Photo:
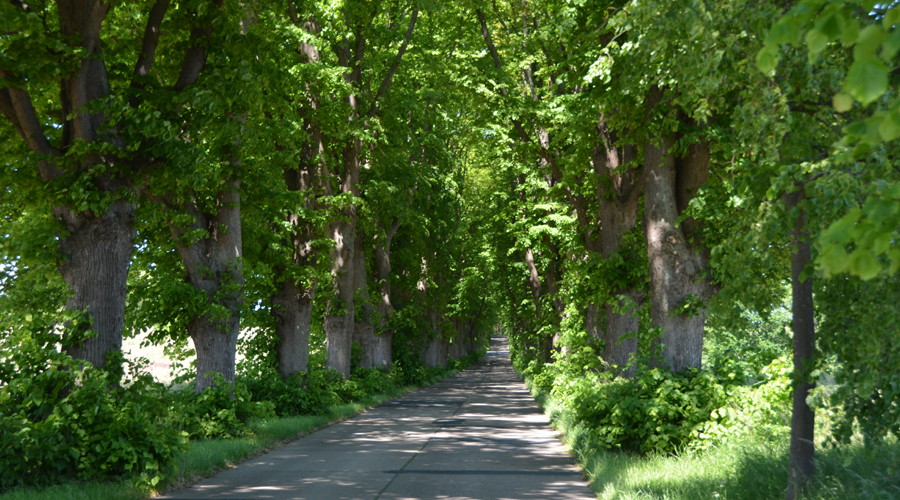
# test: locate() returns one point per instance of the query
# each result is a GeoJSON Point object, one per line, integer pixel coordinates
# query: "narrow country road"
{"type": "Point", "coordinates": [478, 435]}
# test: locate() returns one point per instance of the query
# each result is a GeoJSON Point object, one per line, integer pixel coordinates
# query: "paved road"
{"type": "Point", "coordinates": [478, 435]}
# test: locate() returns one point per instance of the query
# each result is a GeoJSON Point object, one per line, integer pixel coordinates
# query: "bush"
{"type": "Point", "coordinates": [300, 394]}
{"type": "Point", "coordinates": [467, 360]}
{"type": "Point", "coordinates": [373, 380]}
{"type": "Point", "coordinates": [60, 418]}
{"type": "Point", "coordinates": [657, 412]}
{"type": "Point", "coordinates": [762, 410]}
{"type": "Point", "coordinates": [220, 411]}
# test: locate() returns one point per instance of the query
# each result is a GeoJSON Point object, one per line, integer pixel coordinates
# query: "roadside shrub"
{"type": "Point", "coordinates": [762, 410]}
{"type": "Point", "coordinates": [220, 411]}
{"type": "Point", "coordinates": [655, 412]}
{"type": "Point", "coordinates": [467, 360]}
{"type": "Point", "coordinates": [373, 380]}
{"type": "Point", "coordinates": [60, 418]}
{"type": "Point", "coordinates": [411, 371]}
{"type": "Point", "coordinates": [300, 394]}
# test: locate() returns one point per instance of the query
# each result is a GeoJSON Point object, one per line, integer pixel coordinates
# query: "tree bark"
{"type": "Point", "coordinates": [96, 257]}
{"type": "Point", "coordinates": [618, 193]}
{"type": "Point", "coordinates": [364, 330]}
{"type": "Point", "coordinates": [339, 317]}
{"type": "Point", "coordinates": [293, 301]}
{"type": "Point", "coordinates": [676, 266]}
{"type": "Point", "coordinates": [801, 464]}
{"type": "Point", "coordinates": [436, 352]}
{"type": "Point", "coordinates": [293, 308]}
{"type": "Point", "coordinates": [545, 344]}
{"type": "Point", "coordinates": [458, 348]}
{"type": "Point", "coordinates": [382, 356]}
{"type": "Point", "coordinates": [556, 301]}
{"type": "Point", "coordinates": [214, 266]}
{"type": "Point", "coordinates": [95, 254]}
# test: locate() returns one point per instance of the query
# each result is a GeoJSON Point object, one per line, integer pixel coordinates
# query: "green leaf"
{"type": "Point", "coordinates": [783, 31]}
{"type": "Point", "coordinates": [833, 259]}
{"type": "Point", "coordinates": [881, 243]}
{"type": "Point", "coordinates": [767, 59]}
{"type": "Point", "coordinates": [894, 255]}
{"type": "Point", "coordinates": [867, 80]}
{"type": "Point", "coordinates": [890, 126]}
{"type": "Point", "coordinates": [839, 231]}
{"type": "Point", "coordinates": [890, 45]}
{"type": "Point", "coordinates": [890, 18]}
{"type": "Point", "coordinates": [842, 102]}
{"type": "Point", "coordinates": [864, 264]}
{"type": "Point", "coordinates": [850, 33]}
{"type": "Point", "coordinates": [868, 41]}
{"type": "Point", "coordinates": [816, 41]}
{"type": "Point", "coordinates": [830, 24]}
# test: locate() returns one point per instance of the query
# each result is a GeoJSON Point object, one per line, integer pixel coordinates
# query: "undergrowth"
{"type": "Point", "coordinates": [746, 459]}
{"type": "Point", "coordinates": [68, 428]}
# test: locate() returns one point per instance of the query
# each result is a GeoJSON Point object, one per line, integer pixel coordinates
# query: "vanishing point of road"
{"type": "Point", "coordinates": [477, 435]}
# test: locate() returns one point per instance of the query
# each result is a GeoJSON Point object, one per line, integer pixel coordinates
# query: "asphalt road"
{"type": "Point", "coordinates": [477, 435]}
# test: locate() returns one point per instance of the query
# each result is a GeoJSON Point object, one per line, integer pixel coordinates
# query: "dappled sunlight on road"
{"type": "Point", "coordinates": [475, 436]}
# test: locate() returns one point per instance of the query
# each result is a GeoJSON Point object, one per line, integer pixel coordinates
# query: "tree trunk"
{"type": "Point", "coordinates": [436, 352]}
{"type": "Point", "coordinates": [591, 322]}
{"type": "Point", "coordinates": [457, 349]}
{"type": "Point", "coordinates": [544, 344]}
{"type": "Point", "coordinates": [214, 266]}
{"type": "Point", "coordinates": [382, 356]}
{"type": "Point", "coordinates": [618, 194]}
{"type": "Point", "coordinates": [96, 257]}
{"type": "Point", "coordinates": [216, 344]}
{"type": "Point", "coordinates": [293, 308]}
{"type": "Point", "coordinates": [676, 268]}
{"type": "Point", "coordinates": [364, 330]}
{"type": "Point", "coordinates": [801, 465]}
{"type": "Point", "coordinates": [292, 303]}
{"type": "Point", "coordinates": [555, 299]}
{"type": "Point", "coordinates": [339, 317]}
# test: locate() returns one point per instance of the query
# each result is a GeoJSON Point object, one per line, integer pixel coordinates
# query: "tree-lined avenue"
{"type": "Point", "coordinates": [477, 435]}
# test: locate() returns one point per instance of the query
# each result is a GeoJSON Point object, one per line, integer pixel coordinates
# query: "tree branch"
{"type": "Point", "coordinates": [150, 41]}
{"type": "Point", "coordinates": [500, 17]}
{"type": "Point", "coordinates": [9, 111]}
{"type": "Point", "coordinates": [19, 4]}
{"type": "Point", "coordinates": [386, 83]}
{"type": "Point", "coordinates": [194, 59]}
{"type": "Point", "coordinates": [16, 106]}
{"type": "Point", "coordinates": [486, 33]}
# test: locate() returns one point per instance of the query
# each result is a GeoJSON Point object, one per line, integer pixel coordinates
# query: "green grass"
{"type": "Point", "coordinates": [750, 468]}
{"type": "Point", "coordinates": [121, 490]}
{"type": "Point", "coordinates": [206, 457]}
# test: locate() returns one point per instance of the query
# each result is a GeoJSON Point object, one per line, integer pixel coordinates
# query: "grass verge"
{"type": "Point", "coordinates": [204, 458]}
{"type": "Point", "coordinates": [746, 469]}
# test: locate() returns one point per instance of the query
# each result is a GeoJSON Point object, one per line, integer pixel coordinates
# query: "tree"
{"type": "Point", "coordinates": [91, 146]}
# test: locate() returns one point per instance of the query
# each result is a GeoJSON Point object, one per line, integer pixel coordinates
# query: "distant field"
{"type": "Point", "coordinates": [160, 365]}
